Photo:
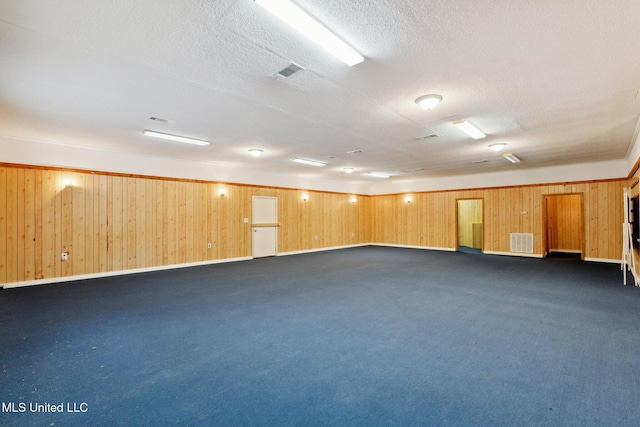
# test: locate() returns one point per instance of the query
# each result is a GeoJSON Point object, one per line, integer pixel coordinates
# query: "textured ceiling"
{"type": "Point", "coordinates": [557, 81]}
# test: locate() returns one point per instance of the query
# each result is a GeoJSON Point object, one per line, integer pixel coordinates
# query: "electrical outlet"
{"type": "Point", "coordinates": [65, 256]}
{"type": "Point", "coordinates": [316, 237]}
{"type": "Point", "coordinates": [208, 245]}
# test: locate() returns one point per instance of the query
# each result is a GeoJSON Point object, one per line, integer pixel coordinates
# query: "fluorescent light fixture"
{"type": "Point", "coordinates": [511, 157]}
{"type": "Point", "coordinates": [309, 162]}
{"type": "Point", "coordinates": [428, 102]}
{"type": "Point", "coordinates": [175, 137]}
{"type": "Point", "coordinates": [379, 175]}
{"type": "Point", "coordinates": [469, 129]}
{"type": "Point", "coordinates": [256, 152]}
{"type": "Point", "coordinates": [348, 170]}
{"type": "Point", "coordinates": [312, 29]}
{"type": "Point", "coordinates": [498, 146]}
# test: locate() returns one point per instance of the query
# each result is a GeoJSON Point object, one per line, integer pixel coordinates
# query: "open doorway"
{"type": "Point", "coordinates": [563, 232]}
{"type": "Point", "coordinates": [470, 225]}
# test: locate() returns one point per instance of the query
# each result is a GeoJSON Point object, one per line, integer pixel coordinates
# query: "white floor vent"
{"type": "Point", "coordinates": [522, 242]}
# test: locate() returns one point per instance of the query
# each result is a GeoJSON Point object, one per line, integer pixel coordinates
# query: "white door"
{"type": "Point", "coordinates": [264, 226]}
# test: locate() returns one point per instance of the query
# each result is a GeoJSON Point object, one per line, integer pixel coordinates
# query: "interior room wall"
{"type": "Point", "coordinates": [113, 222]}
{"type": "Point", "coordinates": [430, 220]}
{"type": "Point", "coordinates": [110, 223]}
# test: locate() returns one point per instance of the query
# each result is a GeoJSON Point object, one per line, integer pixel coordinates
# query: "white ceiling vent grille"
{"type": "Point", "coordinates": [522, 242]}
{"type": "Point", "coordinates": [288, 71]}
{"type": "Point", "coordinates": [427, 136]}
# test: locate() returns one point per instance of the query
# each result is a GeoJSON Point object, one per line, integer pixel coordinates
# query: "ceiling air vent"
{"type": "Point", "coordinates": [158, 119]}
{"type": "Point", "coordinates": [429, 136]}
{"type": "Point", "coordinates": [288, 71]}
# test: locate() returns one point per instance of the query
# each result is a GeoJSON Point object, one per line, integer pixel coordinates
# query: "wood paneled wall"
{"type": "Point", "coordinates": [110, 223]}
{"type": "Point", "coordinates": [430, 220]}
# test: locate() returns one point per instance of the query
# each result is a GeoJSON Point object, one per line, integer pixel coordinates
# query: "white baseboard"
{"type": "Point", "coordinates": [520, 254]}
{"type": "Point", "coordinates": [607, 260]}
{"type": "Point", "coordinates": [118, 273]}
{"type": "Point", "coordinates": [329, 248]}
{"type": "Point", "coordinates": [429, 248]}
{"type": "Point", "coordinates": [221, 261]}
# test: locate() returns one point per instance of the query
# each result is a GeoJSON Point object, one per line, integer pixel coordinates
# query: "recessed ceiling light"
{"type": "Point", "coordinates": [379, 175]}
{"type": "Point", "coordinates": [428, 102]}
{"type": "Point", "coordinates": [354, 152]}
{"type": "Point", "coordinates": [177, 138]}
{"type": "Point", "coordinates": [498, 146]}
{"type": "Point", "coordinates": [348, 170]}
{"type": "Point", "coordinates": [511, 157]}
{"type": "Point", "coordinates": [255, 152]}
{"type": "Point", "coordinates": [312, 29]}
{"type": "Point", "coordinates": [469, 129]}
{"type": "Point", "coordinates": [309, 162]}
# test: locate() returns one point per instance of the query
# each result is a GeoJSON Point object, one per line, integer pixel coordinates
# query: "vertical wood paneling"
{"type": "Point", "coordinates": [101, 251]}
{"type": "Point", "coordinates": [3, 224]}
{"type": "Point", "coordinates": [29, 234]}
{"type": "Point", "coordinates": [111, 223]}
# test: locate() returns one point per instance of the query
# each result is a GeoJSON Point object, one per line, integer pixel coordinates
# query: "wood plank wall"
{"type": "Point", "coordinates": [110, 223]}
{"type": "Point", "coordinates": [634, 186]}
{"type": "Point", "coordinates": [430, 220]}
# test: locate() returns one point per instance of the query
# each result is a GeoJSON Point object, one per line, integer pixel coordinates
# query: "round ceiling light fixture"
{"type": "Point", "coordinates": [497, 146]}
{"type": "Point", "coordinates": [348, 170]}
{"type": "Point", "coordinates": [256, 152]}
{"type": "Point", "coordinates": [428, 101]}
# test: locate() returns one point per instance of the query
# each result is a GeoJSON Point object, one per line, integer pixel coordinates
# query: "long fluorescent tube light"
{"type": "Point", "coordinates": [511, 157]}
{"type": "Point", "coordinates": [469, 129]}
{"type": "Point", "coordinates": [312, 29]}
{"type": "Point", "coordinates": [309, 162]}
{"type": "Point", "coordinates": [379, 175]}
{"type": "Point", "coordinates": [177, 138]}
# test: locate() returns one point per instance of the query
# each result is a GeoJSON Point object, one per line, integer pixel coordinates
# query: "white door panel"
{"type": "Point", "coordinates": [264, 218]}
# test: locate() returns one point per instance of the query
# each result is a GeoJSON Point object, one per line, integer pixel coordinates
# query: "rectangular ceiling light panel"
{"type": "Point", "coordinates": [469, 129]}
{"type": "Point", "coordinates": [309, 162]}
{"type": "Point", "coordinates": [511, 157]}
{"type": "Point", "coordinates": [176, 138]}
{"type": "Point", "coordinates": [312, 29]}
{"type": "Point", "coordinates": [379, 175]}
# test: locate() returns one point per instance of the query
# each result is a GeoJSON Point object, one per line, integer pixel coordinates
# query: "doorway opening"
{"type": "Point", "coordinates": [470, 225]}
{"type": "Point", "coordinates": [563, 231]}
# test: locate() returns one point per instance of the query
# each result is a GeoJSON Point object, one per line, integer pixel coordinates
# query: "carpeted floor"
{"type": "Point", "coordinates": [362, 336]}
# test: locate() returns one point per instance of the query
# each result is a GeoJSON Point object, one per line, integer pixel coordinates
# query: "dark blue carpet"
{"type": "Point", "coordinates": [364, 337]}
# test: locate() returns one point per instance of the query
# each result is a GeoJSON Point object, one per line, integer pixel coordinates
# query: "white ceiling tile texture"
{"type": "Point", "coordinates": [557, 81]}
